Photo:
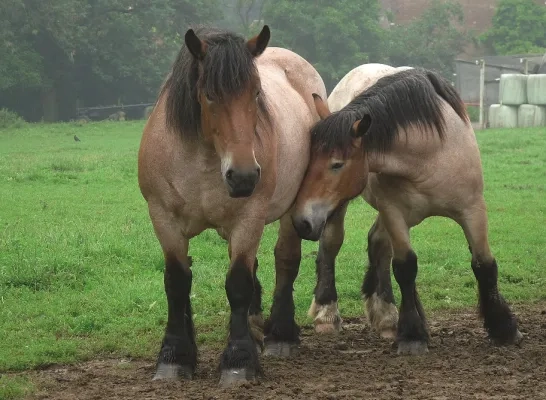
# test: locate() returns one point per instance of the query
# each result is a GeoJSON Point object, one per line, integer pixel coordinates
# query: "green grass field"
{"type": "Point", "coordinates": [81, 270]}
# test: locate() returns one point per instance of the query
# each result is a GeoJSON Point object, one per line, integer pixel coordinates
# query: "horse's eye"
{"type": "Point", "coordinates": [336, 166]}
{"type": "Point", "coordinates": [257, 94]}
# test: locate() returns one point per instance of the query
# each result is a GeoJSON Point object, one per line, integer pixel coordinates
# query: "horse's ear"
{"type": "Point", "coordinates": [196, 46]}
{"type": "Point", "coordinates": [258, 43]}
{"type": "Point", "coordinates": [322, 108]}
{"type": "Point", "coordinates": [361, 127]}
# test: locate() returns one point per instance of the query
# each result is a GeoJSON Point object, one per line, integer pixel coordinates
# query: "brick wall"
{"type": "Point", "coordinates": [478, 13]}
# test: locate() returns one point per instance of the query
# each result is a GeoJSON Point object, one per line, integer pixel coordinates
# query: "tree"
{"type": "Point", "coordinates": [334, 36]}
{"type": "Point", "coordinates": [519, 27]}
{"type": "Point", "coordinates": [97, 50]}
{"type": "Point", "coordinates": [241, 15]}
{"type": "Point", "coordinates": [431, 41]}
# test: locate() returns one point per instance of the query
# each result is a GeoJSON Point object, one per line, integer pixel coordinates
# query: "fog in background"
{"type": "Point", "coordinates": [59, 56]}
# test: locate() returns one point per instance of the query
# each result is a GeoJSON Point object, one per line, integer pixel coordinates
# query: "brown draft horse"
{"type": "Point", "coordinates": [406, 144]}
{"type": "Point", "coordinates": [226, 147]}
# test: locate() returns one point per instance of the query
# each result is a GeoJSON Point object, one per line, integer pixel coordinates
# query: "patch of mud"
{"type": "Point", "coordinates": [356, 364]}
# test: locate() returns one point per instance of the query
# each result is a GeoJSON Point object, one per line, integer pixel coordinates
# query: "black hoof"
{"type": "Point", "coordinates": [413, 348]}
{"type": "Point", "coordinates": [515, 339]}
{"type": "Point", "coordinates": [239, 362]}
{"type": "Point", "coordinates": [173, 372]}
{"type": "Point", "coordinates": [236, 376]}
{"type": "Point", "coordinates": [280, 349]}
{"type": "Point", "coordinates": [177, 358]}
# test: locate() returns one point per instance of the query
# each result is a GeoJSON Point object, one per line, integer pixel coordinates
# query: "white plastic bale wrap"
{"type": "Point", "coordinates": [506, 117]}
{"type": "Point", "coordinates": [536, 89]}
{"type": "Point", "coordinates": [493, 115]}
{"type": "Point", "coordinates": [513, 89]}
{"type": "Point", "coordinates": [530, 115]}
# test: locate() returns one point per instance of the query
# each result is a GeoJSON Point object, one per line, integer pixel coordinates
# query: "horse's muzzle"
{"type": "Point", "coordinates": [307, 228]}
{"type": "Point", "coordinates": [242, 183]}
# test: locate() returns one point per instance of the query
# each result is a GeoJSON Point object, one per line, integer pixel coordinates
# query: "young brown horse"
{"type": "Point", "coordinates": [226, 147]}
{"type": "Point", "coordinates": [406, 144]}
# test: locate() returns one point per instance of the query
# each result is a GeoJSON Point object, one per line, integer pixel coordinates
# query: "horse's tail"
{"type": "Point", "coordinates": [447, 92]}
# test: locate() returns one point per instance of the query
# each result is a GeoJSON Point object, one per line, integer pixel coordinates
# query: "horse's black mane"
{"type": "Point", "coordinates": [228, 67]}
{"type": "Point", "coordinates": [394, 102]}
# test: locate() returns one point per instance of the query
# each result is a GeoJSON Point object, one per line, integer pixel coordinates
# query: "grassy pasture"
{"type": "Point", "coordinates": [81, 270]}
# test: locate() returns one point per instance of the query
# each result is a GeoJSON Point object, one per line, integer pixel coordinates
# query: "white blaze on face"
{"type": "Point", "coordinates": [226, 164]}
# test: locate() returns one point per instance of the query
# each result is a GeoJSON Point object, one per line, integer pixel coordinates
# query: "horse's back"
{"type": "Point", "coordinates": [289, 81]}
{"type": "Point", "coordinates": [356, 81]}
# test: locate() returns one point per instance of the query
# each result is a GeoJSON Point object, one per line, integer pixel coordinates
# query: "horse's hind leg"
{"type": "Point", "coordinates": [499, 321]}
{"type": "Point", "coordinates": [412, 335]}
{"type": "Point", "coordinates": [178, 355]}
{"type": "Point", "coordinates": [281, 330]}
{"type": "Point", "coordinates": [377, 288]}
{"type": "Point", "coordinates": [324, 307]}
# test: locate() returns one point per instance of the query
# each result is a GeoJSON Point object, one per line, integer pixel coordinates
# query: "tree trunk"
{"type": "Point", "coordinates": [50, 106]}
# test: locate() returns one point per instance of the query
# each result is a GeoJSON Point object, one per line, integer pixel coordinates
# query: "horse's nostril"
{"type": "Point", "coordinates": [229, 174]}
{"type": "Point", "coordinates": [258, 171]}
{"type": "Point", "coordinates": [306, 226]}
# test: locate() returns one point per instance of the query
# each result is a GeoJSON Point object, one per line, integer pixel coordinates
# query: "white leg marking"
{"type": "Point", "coordinates": [383, 316]}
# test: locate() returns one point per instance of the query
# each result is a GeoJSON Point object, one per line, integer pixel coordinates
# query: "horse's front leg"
{"type": "Point", "coordinates": [324, 308]}
{"type": "Point", "coordinates": [178, 355]}
{"type": "Point", "coordinates": [239, 361]}
{"type": "Point", "coordinates": [281, 330]}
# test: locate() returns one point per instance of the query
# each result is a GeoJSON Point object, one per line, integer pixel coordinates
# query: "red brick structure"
{"type": "Point", "coordinates": [478, 14]}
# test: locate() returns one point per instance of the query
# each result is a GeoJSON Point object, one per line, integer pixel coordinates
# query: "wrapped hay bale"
{"type": "Point", "coordinates": [513, 89]}
{"type": "Point", "coordinates": [530, 115]}
{"type": "Point", "coordinates": [493, 115]}
{"type": "Point", "coordinates": [536, 89]}
{"type": "Point", "coordinates": [506, 117]}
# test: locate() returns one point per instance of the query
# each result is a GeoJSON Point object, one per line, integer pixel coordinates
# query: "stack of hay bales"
{"type": "Point", "coordinates": [522, 101]}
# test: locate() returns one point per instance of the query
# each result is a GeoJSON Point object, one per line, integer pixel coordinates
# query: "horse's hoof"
{"type": "Point", "coordinates": [328, 328]}
{"type": "Point", "coordinates": [412, 348]}
{"type": "Point", "coordinates": [388, 333]}
{"type": "Point", "coordinates": [280, 349]}
{"type": "Point", "coordinates": [172, 372]}
{"type": "Point", "coordinates": [518, 337]}
{"type": "Point", "coordinates": [515, 340]}
{"type": "Point", "coordinates": [236, 376]}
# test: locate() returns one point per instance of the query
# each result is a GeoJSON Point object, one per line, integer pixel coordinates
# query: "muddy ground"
{"type": "Point", "coordinates": [461, 364]}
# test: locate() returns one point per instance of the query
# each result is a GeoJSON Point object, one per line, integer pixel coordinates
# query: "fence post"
{"type": "Point", "coordinates": [482, 92]}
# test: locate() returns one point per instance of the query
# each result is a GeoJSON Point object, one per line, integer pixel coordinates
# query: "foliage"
{"type": "Point", "coordinates": [81, 272]}
{"type": "Point", "coordinates": [102, 50]}
{"type": "Point", "coordinates": [334, 36]}
{"type": "Point", "coordinates": [519, 27]}
{"type": "Point", "coordinates": [10, 119]}
{"type": "Point", "coordinates": [432, 41]}
{"type": "Point", "coordinates": [473, 113]}
{"type": "Point", "coordinates": [243, 16]}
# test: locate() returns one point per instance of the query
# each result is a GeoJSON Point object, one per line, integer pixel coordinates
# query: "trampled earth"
{"type": "Point", "coordinates": [356, 364]}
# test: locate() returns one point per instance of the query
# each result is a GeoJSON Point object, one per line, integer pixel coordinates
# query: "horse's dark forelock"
{"type": "Point", "coordinates": [394, 103]}
{"type": "Point", "coordinates": [227, 70]}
